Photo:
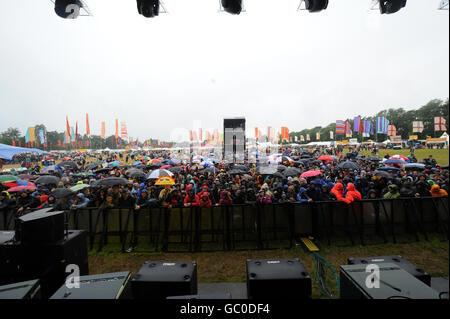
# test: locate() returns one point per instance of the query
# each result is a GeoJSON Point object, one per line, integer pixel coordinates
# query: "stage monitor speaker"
{"type": "Point", "coordinates": [161, 279]}
{"type": "Point", "coordinates": [205, 296]}
{"type": "Point", "coordinates": [277, 279]}
{"type": "Point", "coordinates": [395, 259]}
{"type": "Point", "coordinates": [41, 226]}
{"type": "Point", "coordinates": [47, 262]}
{"type": "Point", "coordinates": [102, 286]}
{"type": "Point", "coordinates": [21, 290]}
{"type": "Point", "coordinates": [6, 236]}
{"type": "Point", "coordinates": [394, 283]}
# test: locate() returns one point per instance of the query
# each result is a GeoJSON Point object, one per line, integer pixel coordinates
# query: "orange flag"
{"type": "Point", "coordinates": [103, 130]}
{"type": "Point", "coordinates": [88, 130]}
{"type": "Point", "coordinates": [117, 129]}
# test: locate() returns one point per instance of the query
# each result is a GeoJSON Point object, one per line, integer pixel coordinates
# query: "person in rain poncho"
{"type": "Point", "coordinates": [392, 192]}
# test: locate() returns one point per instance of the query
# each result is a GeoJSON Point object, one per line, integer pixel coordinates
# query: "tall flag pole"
{"type": "Point", "coordinates": [117, 131]}
{"type": "Point", "coordinates": [123, 130]}
{"type": "Point", "coordinates": [68, 137]}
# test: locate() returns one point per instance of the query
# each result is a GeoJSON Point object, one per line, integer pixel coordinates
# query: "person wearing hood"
{"type": "Point", "coordinates": [338, 191]}
{"type": "Point", "coordinates": [326, 195]}
{"type": "Point", "coordinates": [264, 198]}
{"type": "Point", "coordinates": [142, 200]}
{"type": "Point", "coordinates": [436, 191]}
{"type": "Point", "coordinates": [302, 196]}
{"type": "Point", "coordinates": [80, 202]}
{"type": "Point", "coordinates": [392, 192]}
{"type": "Point", "coordinates": [204, 198]}
{"type": "Point", "coordinates": [191, 199]}
{"type": "Point", "coordinates": [225, 198]}
{"type": "Point", "coordinates": [422, 189]}
{"type": "Point", "coordinates": [352, 194]}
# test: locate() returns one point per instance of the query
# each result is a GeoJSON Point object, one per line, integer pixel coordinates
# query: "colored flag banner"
{"type": "Point", "coordinates": [318, 136]}
{"type": "Point", "coordinates": [392, 130]}
{"type": "Point", "coordinates": [386, 127]}
{"type": "Point", "coordinates": [41, 136]}
{"type": "Point", "coordinates": [72, 134]}
{"type": "Point", "coordinates": [194, 136]}
{"type": "Point", "coordinates": [256, 133]}
{"type": "Point", "coordinates": [367, 127]}
{"type": "Point", "coordinates": [308, 138]}
{"type": "Point", "coordinates": [103, 130]}
{"type": "Point", "coordinates": [269, 133]}
{"type": "Point", "coordinates": [331, 135]}
{"type": "Point", "coordinates": [68, 137]}
{"type": "Point", "coordinates": [440, 124]}
{"type": "Point", "coordinates": [340, 127]}
{"type": "Point", "coordinates": [117, 129]}
{"type": "Point", "coordinates": [348, 129]}
{"type": "Point", "coordinates": [27, 135]}
{"type": "Point", "coordinates": [356, 124]}
{"type": "Point", "coordinates": [123, 130]}
{"type": "Point", "coordinates": [88, 129]}
{"type": "Point", "coordinates": [200, 134]}
{"type": "Point", "coordinates": [417, 126]}
{"type": "Point", "coordinates": [76, 132]}
{"type": "Point", "coordinates": [285, 133]}
{"type": "Point", "coordinates": [382, 125]}
{"type": "Point", "coordinates": [296, 138]}
{"type": "Point", "coordinates": [302, 138]}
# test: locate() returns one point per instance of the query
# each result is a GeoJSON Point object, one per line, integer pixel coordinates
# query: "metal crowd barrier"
{"type": "Point", "coordinates": [243, 227]}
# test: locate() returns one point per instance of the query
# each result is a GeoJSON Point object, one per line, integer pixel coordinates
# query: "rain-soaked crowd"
{"type": "Point", "coordinates": [133, 179]}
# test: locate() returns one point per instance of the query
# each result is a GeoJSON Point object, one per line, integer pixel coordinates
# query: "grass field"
{"type": "Point", "coordinates": [229, 266]}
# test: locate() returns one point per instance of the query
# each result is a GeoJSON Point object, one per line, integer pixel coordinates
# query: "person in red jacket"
{"type": "Point", "coordinates": [352, 194]}
{"type": "Point", "coordinates": [338, 191]}
{"type": "Point", "coordinates": [204, 199]}
{"type": "Point", "coordinates": [191, 199]}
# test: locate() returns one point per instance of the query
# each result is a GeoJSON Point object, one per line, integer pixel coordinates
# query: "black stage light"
{"type": "Point", "coordinates": [148, 8]}
{"type": "Point", "coordinates": [232, 6]}
{"type": "Point", "coordinates": [68, 9]}
{"type": "Point", "coordinates": [391, 6]}
{"type": "Point", "coordinates": [316, 5]}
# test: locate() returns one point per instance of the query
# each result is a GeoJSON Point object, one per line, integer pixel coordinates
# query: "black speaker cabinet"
{"type": "Point", "coordinates": [40, 227]}
{"type": "Point", "coordinates": [393, 283]}
{"type": "Point", "coordinates": [161, 279]}
{"type": "Point", "coordinates": [21, 290]}
{"type": "Point", "coordinates": [47, 262]}
{"type": "Point", "coordinates": [277, 279]}
{"type": "Point", "coordinates": [398, 260]}
{"type": "Point", "coordinates": [102, 286]}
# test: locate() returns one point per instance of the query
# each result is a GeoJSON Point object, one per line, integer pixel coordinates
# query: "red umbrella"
{"type": "Point", "coordinates": [397, 156]}
{"type": "Point", "coordinates": [11, 185]}
{"type": "Point", "coordinates": [19, 188]}
{"type": "Point", "coordinates": [310, 174]}
{"type": "Point", "coordinates": [165, 167]}
{"type": "Point", "coordinates": [325, 158]}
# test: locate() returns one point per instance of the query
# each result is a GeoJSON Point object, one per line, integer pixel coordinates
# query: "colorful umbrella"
{"type": "Point", "coordinates": [79, 187]}
{"type": "Point", "coordinates": [325, 158]}
{"type": "Point", "coordinates": [397, 156]}
{"type": "Point", "coordinates": [8, 178]}
{"type": "Point", "coordinates": [19, 188]}
{"type": "Point", "coordinates": [157, 173]}
{"type": "Point", "coordinates": [116, 163]}
{"type": "Point", "coordinates": [310, 174]}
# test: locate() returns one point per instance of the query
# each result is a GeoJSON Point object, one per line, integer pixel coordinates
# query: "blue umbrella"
{"type": "Point", "coordinates": [395, 161]}
{"type": "Point", "coordinates": [137, 163]}
{"type": "Point", "coordinates": [389, 169]}
{"type": "Point", "coordinates": [52, 168]}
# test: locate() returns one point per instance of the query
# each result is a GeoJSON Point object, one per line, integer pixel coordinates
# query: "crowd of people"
{"type": "Point", "coordinates": [207, 182]}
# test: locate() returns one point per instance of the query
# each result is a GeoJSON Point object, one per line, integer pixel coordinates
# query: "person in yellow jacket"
{"type": "Point", "coordinates": [437, 191]}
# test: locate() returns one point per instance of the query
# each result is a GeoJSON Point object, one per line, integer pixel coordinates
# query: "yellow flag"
{"type": "Point", "coordinates": [32, 134]}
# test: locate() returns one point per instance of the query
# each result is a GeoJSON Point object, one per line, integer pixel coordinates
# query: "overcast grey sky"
{"type": "Point", "coordinates": [271, 64]}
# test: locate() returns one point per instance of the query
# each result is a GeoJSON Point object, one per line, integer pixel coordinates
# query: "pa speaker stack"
{"type": "Point", "coordinates": [161, 279]}
{"type": "Point", "coordinates": [277, 279]}
{"type": "Point", "coordinates": [21, 290]}
{"type": "Point", "coordinates": [103, 286]}
{"type": "Point", "coordinates": [388, 281]}
{"type": "Point", "coordinates": [415, 271]}
{"type": "Point", "coordinates": [39, 249]}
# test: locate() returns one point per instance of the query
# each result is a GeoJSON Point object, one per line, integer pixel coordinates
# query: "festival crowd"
{"type": "Point", "coordinates": [105, 181]}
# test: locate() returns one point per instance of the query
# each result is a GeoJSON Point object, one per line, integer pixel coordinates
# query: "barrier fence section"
{"type": "Point", "coordinates": [243, 227]}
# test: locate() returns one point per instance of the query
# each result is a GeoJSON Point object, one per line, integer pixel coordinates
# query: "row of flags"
{"type": "Point", "coordinates": [71, 135]}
